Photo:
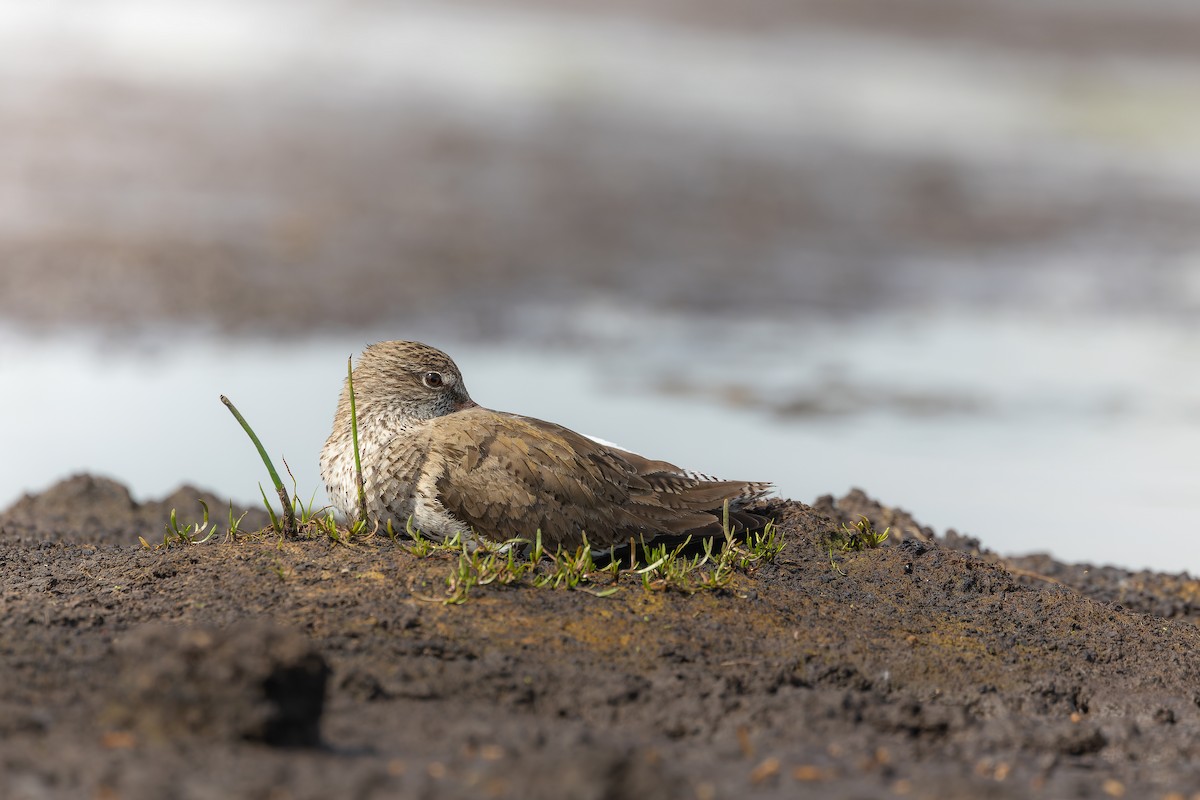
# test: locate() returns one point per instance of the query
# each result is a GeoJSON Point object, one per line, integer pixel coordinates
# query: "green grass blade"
{"type": "Point", "coordinates": [270, 511]}
{"type": "Point", "coordinates": [358, 475]}
{"type": "Point", "coordinates": [289, 514]}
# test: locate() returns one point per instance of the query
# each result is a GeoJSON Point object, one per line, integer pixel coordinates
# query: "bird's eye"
{"type": "Point", "coordinates": [433, 380]}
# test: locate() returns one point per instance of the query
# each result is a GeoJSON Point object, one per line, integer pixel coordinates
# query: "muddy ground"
{"type": "Point", "coordinates": [268, 668]}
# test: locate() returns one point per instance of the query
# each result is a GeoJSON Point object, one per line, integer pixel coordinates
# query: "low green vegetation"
{"type": "Point", "coordinates": [686, 566]}
{"type": "Point", "coordinates": [681, 566]}
{"type": "Point", "coordinates": [195, 533]}
{"type": "Point", "coordinates": [853, 539]}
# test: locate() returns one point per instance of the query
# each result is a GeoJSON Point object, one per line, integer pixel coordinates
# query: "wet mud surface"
{"type": "Point", "coordinates": [264, 668]}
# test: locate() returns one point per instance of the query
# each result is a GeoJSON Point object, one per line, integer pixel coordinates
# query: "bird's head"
{"type": "Point", "coordinates": [410, 379]}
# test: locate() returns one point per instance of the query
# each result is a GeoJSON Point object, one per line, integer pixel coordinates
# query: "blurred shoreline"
{"type": "Point", "coordinates": [227, 168]}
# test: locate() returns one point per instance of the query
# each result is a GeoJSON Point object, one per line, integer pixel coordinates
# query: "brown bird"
{"type": "Point", "coordinates": [430, 453]}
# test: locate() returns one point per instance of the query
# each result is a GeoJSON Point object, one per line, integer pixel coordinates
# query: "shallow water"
{"type": "Point", "coordinates": [1077, 437]}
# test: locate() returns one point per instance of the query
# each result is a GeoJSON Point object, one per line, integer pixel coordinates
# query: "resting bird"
{"type": "Point", "coordinates": [430, 453]}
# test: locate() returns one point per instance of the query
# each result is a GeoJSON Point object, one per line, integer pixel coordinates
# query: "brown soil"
{"type": "Point", "coordinates": [267, 668]}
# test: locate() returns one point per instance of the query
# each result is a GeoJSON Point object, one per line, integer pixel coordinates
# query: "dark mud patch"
{"type": "Point", "coordinates": [1161, 594]}
{"type": "Point", "coordinates": [917, 669]}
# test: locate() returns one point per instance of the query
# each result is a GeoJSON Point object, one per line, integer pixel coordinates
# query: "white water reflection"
{"type": "Point", "coordinates": [1086, 445]}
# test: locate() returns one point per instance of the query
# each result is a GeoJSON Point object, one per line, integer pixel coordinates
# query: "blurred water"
{"type": "Point", "coordinates": [1072, 437]}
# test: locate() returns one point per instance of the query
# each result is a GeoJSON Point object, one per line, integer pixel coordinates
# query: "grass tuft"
{"type": "Point", "coordinates": [686, 566]}
{"type": "Point", "coordinates": [854, 539]}
{"type": "Point", "coordinates": [483, 566]}
{"type": "Point", "coordinates": [234, 524]}
{"type": "Point", "coordinates": [684, 569]}
{"type": "Point", "coordinates": [177, 534]}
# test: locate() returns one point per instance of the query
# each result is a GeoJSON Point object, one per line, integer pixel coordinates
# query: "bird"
{"type": "Point", "coordinates": [434, 459]}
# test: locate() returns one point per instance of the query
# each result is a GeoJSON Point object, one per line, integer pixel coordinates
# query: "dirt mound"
{"type": "Point", "coordinates": [913, 669]}
{"type": "Point", "coordinates": [88, 508]}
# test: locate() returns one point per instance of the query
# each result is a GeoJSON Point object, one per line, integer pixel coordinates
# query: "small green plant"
{"type": "Point", "coordinates": [275, 524]}
{"type": "Point", "coordinates": [314, 522]}
{"type": "Point", "coordinates": [486, 564]}
{"type": "Point", "coordinates": [668, 567]}
{"type": "Point", "coordinates": [306, 513]}
{"type": "Point", "coordinates": [761, 546]}
{"type": "Point", "coordinates": [421, 546]}
{"type": "Point", "coordinates": [234, 523]}
{"type": "Point", "coordinates": [562, 568]}
{"type": "Point", "coordinates": [859, 536]}
{"type": "Point", "coordinates": [682, 569]}
{"type": "Point", "coordinates": [325, 525]}
{"type": "Point", "coordinates": [854, 539]}
{"type": "Point", "coordinates": [196, 533]}
{"type": "Point", "coordinates": [572, 569]}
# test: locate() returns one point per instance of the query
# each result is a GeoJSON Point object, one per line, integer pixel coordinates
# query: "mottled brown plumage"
{"type": "Point", "coordinates": [430, 453]}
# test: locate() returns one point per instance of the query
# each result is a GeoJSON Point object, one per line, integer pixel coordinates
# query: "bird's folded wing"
{"type": "Point", "coordinates": [507, 475]}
